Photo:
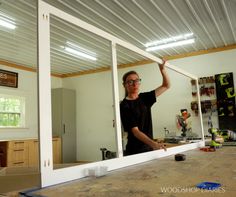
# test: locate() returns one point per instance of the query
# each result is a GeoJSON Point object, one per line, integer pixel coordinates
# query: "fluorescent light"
{"type": "Point", "coordinates": [169, 40]}
{"type": "Point", "coordinates": [7, 24]}
{"type": "Point", "coordinates": [81, 49]}
{"type": "Point", "coordinates": [172, 44]}
{"type": "Point", "coordinates": [81, 54]}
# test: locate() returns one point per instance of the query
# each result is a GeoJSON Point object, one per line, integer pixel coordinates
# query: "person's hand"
{"type": "Point", "coordinates": [159, 145]}
{"type": "Point", "coordinates": [162, 65]}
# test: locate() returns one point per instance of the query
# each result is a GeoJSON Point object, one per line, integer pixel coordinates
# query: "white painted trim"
{"type": "Point", "coordinates": [81, 171]}
{"type": "Point", "coordinates": [48, 175]}
{"type": "Point", "coordinates": [110, 37]}
{"type": "Point", "coordinates": [44, 93]}
{"type": "Point", "coordinates": [116, 101]}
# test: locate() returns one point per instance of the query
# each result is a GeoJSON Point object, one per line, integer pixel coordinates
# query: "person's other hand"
{"type": "Point", "coordinates": [159, 145]}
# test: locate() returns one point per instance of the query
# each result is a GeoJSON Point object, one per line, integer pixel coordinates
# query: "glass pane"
{"type": "Point", "coordinates": [171, 122]}
{"type": "Point", "coordinates": [82, 101]}
{"type": "Point", "coordinates": [12, 110]}
{"type": "Point", "coordinates": [18, 53]}
{"type": "Point", "coordinates": [177, 122]}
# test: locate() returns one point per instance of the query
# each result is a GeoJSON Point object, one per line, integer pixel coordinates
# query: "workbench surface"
{"type": "Point", "coordinates": [161, 177]}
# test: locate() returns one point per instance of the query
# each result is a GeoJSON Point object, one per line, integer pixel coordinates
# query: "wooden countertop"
{"type": "Point", "coordinates": [150, 179]}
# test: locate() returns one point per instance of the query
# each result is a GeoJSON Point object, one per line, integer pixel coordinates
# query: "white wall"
{"type": "Point", "coordinates": [179, 96]}
{"type": "Point", "coordinates": [168, 105]}
{"type": "Point", "coordinates": [27, 87]}
{"type": "Point", "coordinates": [93, 94]}
{"type": "Point", "coordinates": [209, 65]}
{"type": "Point", "coordinates": [94, 114]}
{"type": "Point", "coordinates": [94, 100]}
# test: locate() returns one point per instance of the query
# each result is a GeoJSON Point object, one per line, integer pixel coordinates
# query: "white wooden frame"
{"type": "Point", "coordinates": [49, 176]}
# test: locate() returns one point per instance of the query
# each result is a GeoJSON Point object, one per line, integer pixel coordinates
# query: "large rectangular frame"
{"type": "Point", "coordinates": [49, 176]}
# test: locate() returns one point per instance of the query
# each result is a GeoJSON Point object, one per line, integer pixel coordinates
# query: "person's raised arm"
{"type": "Point", "coordinates": [165, 80]}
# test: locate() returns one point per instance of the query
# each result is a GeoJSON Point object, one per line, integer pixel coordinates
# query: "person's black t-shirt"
{"type": "Point", "coordinates": [137, 113]}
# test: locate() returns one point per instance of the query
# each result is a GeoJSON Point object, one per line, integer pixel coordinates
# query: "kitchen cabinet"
{"type": "Point", "coordinates": [56, 143]}
{"type": "Point", "coordinates": [3, 150]}
{"type": "Point", "coordinates": [33, 152]}
{"type": "Point", "coordinates": [25, 153]}
{"type": "Point", "coordinates": [17, 153]}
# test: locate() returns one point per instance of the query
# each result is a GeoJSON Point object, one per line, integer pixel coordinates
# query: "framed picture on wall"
{"type": "Point", "coordinates": [8, 78]}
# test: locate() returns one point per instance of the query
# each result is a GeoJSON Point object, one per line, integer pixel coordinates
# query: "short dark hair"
{"type": "Point", "coordinates": [127, 74]}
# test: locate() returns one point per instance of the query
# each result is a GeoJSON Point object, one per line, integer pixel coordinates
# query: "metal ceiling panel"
{"type": "Point", "coordinates": [213, 23]}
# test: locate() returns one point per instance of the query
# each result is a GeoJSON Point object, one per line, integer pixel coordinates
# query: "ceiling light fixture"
{"type": "Point", "coordinates": [170, 42]}
{"type": "Point", "coordinates": [79, 48]}
{"type": "Point", "coordinates": [7, 24]}
{"type": "Point", "coordinates": [79, 53]}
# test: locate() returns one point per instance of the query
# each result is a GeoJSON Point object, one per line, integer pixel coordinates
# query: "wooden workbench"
{"type": "Point", "coordinates": [151, 178]}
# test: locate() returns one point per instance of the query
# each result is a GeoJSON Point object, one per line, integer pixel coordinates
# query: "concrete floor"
{"type": "Point", "coordinates": [14, 179]}
{"type": "Point", "coordinates": [162, 177]}
{"type": "Point", "coordinates": [18, 178]}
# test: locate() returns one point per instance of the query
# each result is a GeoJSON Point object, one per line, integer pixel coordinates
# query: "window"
{"type": "Point", "coordinates": [12, 111]}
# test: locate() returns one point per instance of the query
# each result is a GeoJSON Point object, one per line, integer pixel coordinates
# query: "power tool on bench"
{"type": "Point", "coordinates": [214, 132]}
{"type": "Point", "coordinates": [182, 122]}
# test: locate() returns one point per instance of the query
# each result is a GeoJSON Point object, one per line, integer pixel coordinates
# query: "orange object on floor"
{"type": "Point", "coordinates": [208, 149]}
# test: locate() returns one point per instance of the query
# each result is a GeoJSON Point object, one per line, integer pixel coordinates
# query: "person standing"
{"type": "Point", "coordinates": [135, 111]}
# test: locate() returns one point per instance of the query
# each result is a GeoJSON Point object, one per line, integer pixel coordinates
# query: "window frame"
{"type": "Point", "coordinates": [50, 176]}
{"type": "Point", "coordinates": [22, 99]}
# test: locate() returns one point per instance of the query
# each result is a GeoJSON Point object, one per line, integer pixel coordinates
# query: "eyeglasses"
{"type": "Point", "coordinates": [132, 82]}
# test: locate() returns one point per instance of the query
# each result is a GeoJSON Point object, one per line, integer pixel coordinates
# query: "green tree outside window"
{"type": "Point", "coordinates": [11, 109]}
